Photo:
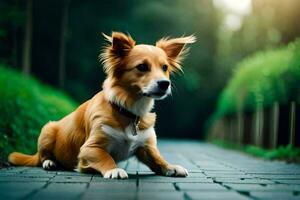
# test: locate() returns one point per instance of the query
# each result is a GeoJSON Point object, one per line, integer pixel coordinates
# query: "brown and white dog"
{"type": "Point", "coordinates": [116, 123]}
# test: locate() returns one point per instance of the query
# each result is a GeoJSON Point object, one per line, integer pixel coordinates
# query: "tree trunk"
{"type": "Point", "coordinates": [62, 45]}
{"type": "Point", "coordinates": [26, 59]}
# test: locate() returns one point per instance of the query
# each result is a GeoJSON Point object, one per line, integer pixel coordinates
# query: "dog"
{"type": "Point", "coordinates": [117, 122]}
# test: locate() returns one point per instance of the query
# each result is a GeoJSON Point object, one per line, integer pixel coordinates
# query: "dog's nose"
{"type": "Point", "coordinates": [163, 84]}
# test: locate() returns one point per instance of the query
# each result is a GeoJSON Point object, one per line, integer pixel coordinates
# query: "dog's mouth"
{"type": "Point", "coordinates": [156, 95]}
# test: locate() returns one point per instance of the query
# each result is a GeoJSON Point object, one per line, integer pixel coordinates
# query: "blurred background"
{"type": "Point", "coordinates": [49, 50]}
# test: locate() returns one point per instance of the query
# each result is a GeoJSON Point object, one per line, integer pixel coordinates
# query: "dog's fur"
{"type": "Point", "coordinates": [96, 136]}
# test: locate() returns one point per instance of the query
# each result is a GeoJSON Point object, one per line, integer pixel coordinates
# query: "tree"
{"type": "Point", "coordinates": [62, 43]}
{"type": "Point", "coordinates": [26, 62]}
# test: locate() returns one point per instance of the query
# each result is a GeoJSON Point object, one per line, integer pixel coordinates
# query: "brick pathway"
{"type": "Point", "coordinates": [215, 173]}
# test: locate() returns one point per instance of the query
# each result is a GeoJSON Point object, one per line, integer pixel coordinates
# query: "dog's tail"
{"type": "Point", "coordinates": [20, 159]}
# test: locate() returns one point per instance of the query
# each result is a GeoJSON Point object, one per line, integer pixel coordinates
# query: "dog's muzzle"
{"type": "Point", "coordinates": [158, 89]}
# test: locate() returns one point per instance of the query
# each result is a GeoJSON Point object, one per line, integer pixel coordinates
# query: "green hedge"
{"type": "Point", "coordinates": [287, 153]}
{"type": "Point", "coordinates": [25, 106]}
{"type": "Point", "coordinates": [263, 79]}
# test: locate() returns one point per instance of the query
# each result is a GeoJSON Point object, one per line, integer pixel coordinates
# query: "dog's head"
{"type": "Point", "coordinates": [143, 70]}
{"type": "Point", "coordinates": [137, 74]}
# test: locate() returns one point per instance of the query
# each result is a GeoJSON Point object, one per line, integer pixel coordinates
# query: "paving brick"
{"type": "Point", "coordinates": [14, 169]}
{"type": "Point", "coordinates": [224, 195]}
{"type": "Point", "coordinates": [122, 164]}
{"type": "Point", "coordinates": [143, 168]}
{"type": "Point", "coordinates": [272, 173]}
{"type": "Point", "coordinates": [229, 175]}
{"type": "Point", "coordinates": [196, 175]}
{"type": "Point", "coordinates": [13, 190]}
{"type": "Point", "coordinates": [146, 173]}
{"type": "Point", "coordinates": [109, 195]}
{"type": "Point", "coordinates": [211, 163]}
{"type": "Point", "coordinates": [163, 195]}
{"type": "Point", "coordinates": [245, 187]}
{"type": "Point", "coordinates": [71, 179]}
{"type": "Point", "coordinates": [283, 187]}
{"type": "Point", "coordinates": [7, 174]}
{"type": "Point", "coordinates": [116, 186]}
{"type": "Point", "coordinates": [277, 176]}
{"type": "Point", "coordinates": [156, 187]}
{"type": "Point", "coordinates": [162, 179]}
{"type": "Point", "coordinates": [289, 181]}
{"type": "Point", "coordinates": [244, 180]}
{"type": "Point", "coordinates": [60, 191]}
{"type": "Point", "coordinates": [67, 173]}
{"type": "Point", "coordinates": [200, 186]}
{"type": "Point", "coordinates": [132, 166]}
{"type": "Point", "coordinates": [35, 175]}
{"type": "Point", "coordinates": [132, 194]}
{"type": "Point", "coordinates": [257, 187]}
{"type": "Point", "coordinates": [22, 179]}
{"type": "Point", "coordinates": [217, 168]}
{"type": "Point", "coordinates": [216, 173]}
{"type": "Point", "coordinates": [197, 170]}
{"type": "Point", "coordinates": [267, 195]}
{"type": "Point", "coordinates": [36, 170]}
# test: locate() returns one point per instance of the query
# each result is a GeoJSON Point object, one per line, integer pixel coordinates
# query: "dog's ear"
{"type": "Point", "coordinates": [121, 43]}
{"type": "Point", "coordinates": [175, 49]}
{"type": "Point", "coordinates": [119, 46]}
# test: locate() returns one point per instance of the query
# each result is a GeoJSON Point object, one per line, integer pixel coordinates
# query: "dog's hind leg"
{"type": "Point", "coordinates": [46, 145]}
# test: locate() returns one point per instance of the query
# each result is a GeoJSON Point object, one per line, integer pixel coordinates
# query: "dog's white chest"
{"type": "Point", "coordinates": [122, 143]}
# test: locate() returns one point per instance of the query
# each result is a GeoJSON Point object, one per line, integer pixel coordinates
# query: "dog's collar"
{"type": "Point", "coordinates": [124, 111]}
{"type": "Point", "coordinates": [135, 118]}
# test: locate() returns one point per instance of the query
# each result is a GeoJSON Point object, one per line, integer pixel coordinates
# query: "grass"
{"type": "Point", "coordinates": [25, 106]}
{"type": "Point", "coordinates": [262, 79]}
{"type": "Point", "coordinates": [286, 153]}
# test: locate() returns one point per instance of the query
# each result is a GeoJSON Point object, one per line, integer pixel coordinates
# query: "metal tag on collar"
{"type": "Point", "coordinates": [135, 126]}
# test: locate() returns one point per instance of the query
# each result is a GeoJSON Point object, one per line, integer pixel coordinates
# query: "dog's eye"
{"type": "Point", "coordinates": [143, 67]}
{"type": "Point", "coordinates": [165, 68]}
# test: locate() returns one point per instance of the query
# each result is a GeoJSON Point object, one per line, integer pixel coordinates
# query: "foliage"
{"type": "Point", "coordinates": [25, 106]}
{"type": "Point", "coordinates": [287, 153]}
{"type": "Point", "coordinates": [269, 24]}
{"type": "Point", "coordinates": [266, 77]}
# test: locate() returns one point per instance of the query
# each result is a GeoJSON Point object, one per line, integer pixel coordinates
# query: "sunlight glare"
{"type": "Point", "coordinates": [232, 22]}
{"type": "Point", "coordinates": [240, 7]}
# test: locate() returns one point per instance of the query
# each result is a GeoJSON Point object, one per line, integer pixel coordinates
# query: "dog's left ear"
{"type": "Point", "coordinates": [175, 49]}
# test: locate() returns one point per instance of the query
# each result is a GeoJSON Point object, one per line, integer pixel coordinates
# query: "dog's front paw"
{"type": "Point", "coordinates": [175, 170]}
{"type": "Point", "coordinates": [116, 173]}
{"type": "Point", "coordinates": [49, 164]}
